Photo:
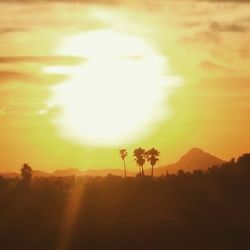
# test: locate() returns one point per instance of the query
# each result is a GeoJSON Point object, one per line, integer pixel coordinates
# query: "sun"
{"type": "Point", "coordinates": [118, 92]}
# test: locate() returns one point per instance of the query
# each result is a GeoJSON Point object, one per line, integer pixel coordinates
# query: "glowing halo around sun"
{"type": "Point", "coordinates": [116, 95]}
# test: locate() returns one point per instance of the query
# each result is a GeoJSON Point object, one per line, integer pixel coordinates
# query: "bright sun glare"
{"type": "Point", "coordinates": [117, 93]}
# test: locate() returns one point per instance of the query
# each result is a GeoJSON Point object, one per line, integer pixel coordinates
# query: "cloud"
{"type": "Point", "coordinates": [150, 3]}
{"type": "Point", "coordinates": [213, 67]}
{"type": "Point", "coordinates": [11, 66]}
{"type": "Point", "coordinates": [202, 37]}
{"type": "Point", "coordinates": [7, 30]}
{"type": "Point", "coordinates": [64, 1]}
{"type": "Point", "coordinates": [244, 52]}
{"type": "Point", "coordinates": [48, 60]}
{"type": "Point", "coordinates": [227, 27]}
{"type": "Point", "coordinates": [7, 77]}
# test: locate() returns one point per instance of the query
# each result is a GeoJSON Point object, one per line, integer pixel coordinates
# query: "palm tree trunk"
{"type": "Point", "coordinates": [125, 170]}
{"type": "Point", "coordinates": [139, 169]}
{"type": "Point", "coordinates": [142, 170]}
{"type": "Point", "coordinates": [152, 171]}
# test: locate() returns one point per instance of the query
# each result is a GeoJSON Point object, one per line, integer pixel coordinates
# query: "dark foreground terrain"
{"type": "Point", "coordinates": [203, 211]}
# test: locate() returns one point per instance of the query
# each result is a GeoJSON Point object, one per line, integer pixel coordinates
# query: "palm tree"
{"type": "Point", "coordinates": [124, 154]}
{"type": "Point", "coordinates": [140, 158]}
{"type": "Point", "coordinates": [26, 173]}
{"type": "Point", "coordinates": [152, 156]}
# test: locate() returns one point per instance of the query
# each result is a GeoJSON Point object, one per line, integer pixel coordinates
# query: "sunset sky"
{"type": "Point", "coordinates": [81, 79]}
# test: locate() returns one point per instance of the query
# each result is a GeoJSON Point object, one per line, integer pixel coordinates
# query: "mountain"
{"type": "Point", "coordinates": [194, 159]}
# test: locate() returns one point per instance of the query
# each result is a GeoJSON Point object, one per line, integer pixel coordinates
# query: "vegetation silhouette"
{"type": "Point", "coordinates": [140, 159]}
{"type": "Point", "coordinates": [188, 210]}
{"type": "Point", "coordinates": [152, 157]}
{"type": "Point", "coordinates": [124, 154]}
{"type": "Point", "coordinates": [26, 173]}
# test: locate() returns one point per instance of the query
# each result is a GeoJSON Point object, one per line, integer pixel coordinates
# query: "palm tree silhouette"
{"type": "Point", "coordinates": [140, 158]}
{"type": "Point", "coordinates": [152, 156]}
{"type": "Point", "coordinates": [26, 173]}
{"type": "Point", "coordinates": [124, 154]}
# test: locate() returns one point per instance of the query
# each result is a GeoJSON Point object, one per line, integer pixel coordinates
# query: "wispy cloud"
{"type": "Point", "coordinates": [48, 60]}
{"type": "Point", "coordinates": [64, 1]}
{"type": "Point", "coordinates": [7, 77]}
{"type": "Point", "coordinates": [227, 27]}
{"type": "Point", "coordinates": [213, 67]}
{"type": "Point", "coordinates": [7, 30]}
{"type": "Point", "coordinates": [21, 69]}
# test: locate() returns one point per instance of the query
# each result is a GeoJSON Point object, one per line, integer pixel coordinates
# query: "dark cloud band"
{"type": "Point", "coordinates": [55, 60]}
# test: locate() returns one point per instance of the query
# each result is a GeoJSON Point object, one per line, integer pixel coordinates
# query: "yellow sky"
{"type": "Point", "coordinates": [206, 44]}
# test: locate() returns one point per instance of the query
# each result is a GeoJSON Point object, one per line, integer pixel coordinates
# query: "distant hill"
{"type": "Point", "coordinates": [105, 172]}
{"type": "Point", "coordinates": [194, 159]}
{"type": "Point", "coordinates": [38, 173]}
{"type": "Point", "coordinates": [90, 172]}
{"type": "Point", "coordinates": [70, 172]}
{"type": "Point", "coordinates": [9, 175]}
{"type": "Point", "coordinates": [67, 172]}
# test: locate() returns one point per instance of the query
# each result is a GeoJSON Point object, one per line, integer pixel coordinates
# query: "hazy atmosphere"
{"type": "Point", "coordinates": [81, 79]}
{"type": "Point", "coordinates": [124, 125]}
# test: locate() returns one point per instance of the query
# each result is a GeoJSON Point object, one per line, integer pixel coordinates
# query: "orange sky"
{"type": "Point", "coordinates": [205, 44]}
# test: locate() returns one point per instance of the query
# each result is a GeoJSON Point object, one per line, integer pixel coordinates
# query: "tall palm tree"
{"type": "Point", "coordinates": [152, 156]}
{"type": "Point", "coordinates": [140, 158]}
{"type": "Point", "coordinates": [124, 154]}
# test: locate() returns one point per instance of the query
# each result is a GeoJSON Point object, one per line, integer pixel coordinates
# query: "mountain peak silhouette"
{"type": "Point", "coordinates": [195, 158]}
{"type": "Point", "coordinates": [195, 150]}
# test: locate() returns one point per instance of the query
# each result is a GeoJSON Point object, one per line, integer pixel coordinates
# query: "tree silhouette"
{"type": "Point", "coordinates": [140, 158]}
{"type": "Point", "coordinates": [152, 156]}
{"type": "Point", "coordinates": [244, 161]}
{"type": "Point", "coordinates": [124, 154]}
{"type": "Point", "coordinates": [26, 173]}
